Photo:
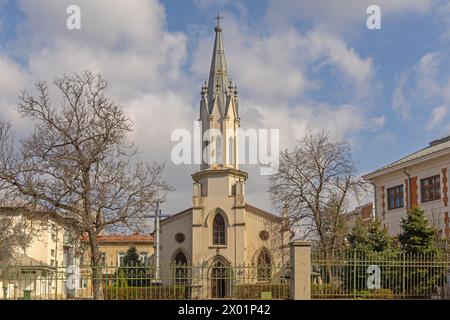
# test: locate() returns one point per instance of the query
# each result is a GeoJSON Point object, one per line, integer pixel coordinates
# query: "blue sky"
{"type": "Point", "coordinates": [298, 65]}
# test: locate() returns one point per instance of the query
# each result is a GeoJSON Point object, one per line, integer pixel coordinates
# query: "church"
{"type": "Point", "coordinates": [220, 228]}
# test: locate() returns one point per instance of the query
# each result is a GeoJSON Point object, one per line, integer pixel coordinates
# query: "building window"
{"type": "Point", "coordinates": [53, 231]}
{"type": "Point", "coordinates": [264, 265]}
{"type": "Point", "coordinates": [181, 270]}
{"type": "Point", "coordinates": [52, 252]}
{"type": "Point", "coordinates": [180, 237]}
{"type": "Point", "coordinates": [52, 263]}
{"type": "Point", "coordinates": [431, 188]}
{"type": "Point", "coordinates": [84, 283]}
{"type": "Point", "coordinates": [120, 258]}
{"type": "Point", "coordinates": [395, 197]}
{"type": "Point", "coordinates": [219, 230]}
{"type": "Point", "coordinates": [102, 259]}
{"type": "Point", "coordinates": [264, 235]}
{"type": "Point", "coordinates": [143, 256]}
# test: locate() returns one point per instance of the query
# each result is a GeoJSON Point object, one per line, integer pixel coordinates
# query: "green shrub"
{"type": "Point", "coordinates": [253, 291]}
{"type": "Point", "coordinates": [375, 294]}
{"type": "Point", "coordinates": [327, 290]}
{"type": "Point", "coordinates": [144, 293]}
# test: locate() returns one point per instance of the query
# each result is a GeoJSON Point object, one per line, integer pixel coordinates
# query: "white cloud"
{"type": "Point", "coordinates": [424, 86]}
{"type": "Point", "coordinates": [129, 43]}
{"type": "Point", "coordinates": [437, 116]}
{"type": "Point", "coordinates": [281, 65]}
{"type": "Point", "coordinates": [400, 103]}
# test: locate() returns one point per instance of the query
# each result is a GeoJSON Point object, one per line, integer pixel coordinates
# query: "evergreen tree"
{"type": "Point", "coordinates": [416, 236]}
{"type": "Point", "coordinates": [133, 270]}
{"type": "Point", "coordinates": [359, 238]}
{"type": "Point", "coordinates": [371, 239]}
{"type": "Point", "coordinates": [372, 243]}
{"type": "Point", "coordinates": [132, 257]}
{"type": "Point", "coordinates": [417, 240]}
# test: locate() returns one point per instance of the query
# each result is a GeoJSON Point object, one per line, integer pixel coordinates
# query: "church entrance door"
{"type": "Point", "coordinates": [221, 280]}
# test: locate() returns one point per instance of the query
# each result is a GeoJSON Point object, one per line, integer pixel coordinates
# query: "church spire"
{"type": "Point", "coordinates": [218, 77]}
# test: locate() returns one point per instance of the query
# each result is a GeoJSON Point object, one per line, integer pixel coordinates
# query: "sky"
{"type": "Point", "coordinates": [299, 65]}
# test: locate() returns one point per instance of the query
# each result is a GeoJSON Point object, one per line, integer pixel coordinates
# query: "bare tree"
{"type": "Point", "coordinates": [78, 164]}
{"type": "Point", "coordinates": [13, 235]}
{"type": "Point", "coordinates": [315, 182]}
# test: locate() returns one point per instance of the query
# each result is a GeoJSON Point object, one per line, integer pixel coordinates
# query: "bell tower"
{"type": "Point", "coordinates": [219, 115]}
{"type": "Point", "coordinates": [219, 184]}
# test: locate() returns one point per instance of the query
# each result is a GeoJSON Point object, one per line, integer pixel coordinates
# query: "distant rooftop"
{"type": "Point", "coordinates": [123, 238]}
{"type": "Point", "coordinates": [433, 147]}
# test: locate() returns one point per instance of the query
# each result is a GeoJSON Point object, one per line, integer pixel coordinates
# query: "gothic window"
{"type": "Point", "coordinates": [219, 230]}
{"type": "Point", "coordinates": [180, 259]}
{"type": "Point", "coordinates": [219, 150]}
{"type": "Point", "coordinates": [264, 265]}
{"type": "Point", "coordinates": [230, 150]}
{"type": "Point", "coordinates": [181, 270]}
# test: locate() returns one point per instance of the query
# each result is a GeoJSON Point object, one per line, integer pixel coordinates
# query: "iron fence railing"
{"type": "Point", "coordinates": [139, 282]}
{"type": "Point", "coordinates": [396, 275]}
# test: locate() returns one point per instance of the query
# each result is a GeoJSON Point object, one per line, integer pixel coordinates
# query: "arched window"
{"type": "Point", "coordinates": [181, 270]}
{"type": "Point", "coordinates": [180, 259]}
{"type": "Point", "coordinates": [264, 265]}
{"type": "Point", "coordinates": [219, 230]}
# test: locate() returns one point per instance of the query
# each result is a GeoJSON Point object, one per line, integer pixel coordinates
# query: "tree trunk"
{"type": "Point", "coordinates": [96, 269]}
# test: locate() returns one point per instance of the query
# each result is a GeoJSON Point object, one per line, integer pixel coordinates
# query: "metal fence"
{"type": "Point", "coordinates": [353, 275]}
{"type": "Point", "coordinates": [144, 282]}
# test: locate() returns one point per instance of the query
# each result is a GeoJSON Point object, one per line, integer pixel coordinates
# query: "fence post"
{"type": "Point", "coordinates": [300, 262]}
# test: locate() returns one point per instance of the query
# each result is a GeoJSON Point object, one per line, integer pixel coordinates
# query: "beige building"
{"type": "Point", "coordinates": [419, 179]}
{"type": "Point", "coordinates": [220, 228]}
{"type": "Point", "coordinates": [113, 248]}
{"type": "Point", "coordinates": [37, 262]}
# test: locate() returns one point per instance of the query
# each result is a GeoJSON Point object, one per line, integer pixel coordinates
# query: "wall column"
{"type": "Point", "coordinates": [300, 262]}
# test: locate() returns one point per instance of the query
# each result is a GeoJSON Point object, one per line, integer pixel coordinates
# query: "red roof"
{"type": "Point", "coordinates": [125, 238]}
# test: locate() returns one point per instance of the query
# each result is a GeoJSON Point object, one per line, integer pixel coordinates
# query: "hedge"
{"type": "Point", "coordinates": [253, 291]}
{"type": "Point", "coordinates": [144, 293]}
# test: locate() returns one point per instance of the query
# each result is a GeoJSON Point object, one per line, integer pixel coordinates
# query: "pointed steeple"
{"type": "Point", "coordinates": [218, 76]}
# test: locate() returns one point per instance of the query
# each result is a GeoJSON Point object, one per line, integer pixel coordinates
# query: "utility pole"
{"type": "Point", "coordinates": [157, 231]}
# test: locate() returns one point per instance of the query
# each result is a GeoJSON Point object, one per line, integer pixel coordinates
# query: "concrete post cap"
{"type": "Point", "coordinates": [300, 243]}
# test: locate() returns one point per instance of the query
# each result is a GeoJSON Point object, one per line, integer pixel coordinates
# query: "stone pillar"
{"type": "Point", "coordinates": [300, 263]}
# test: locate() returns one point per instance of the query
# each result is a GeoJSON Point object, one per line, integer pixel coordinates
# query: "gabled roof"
{"type": "Point", "coordinates": [248, 207]}
{"type": "Point", "coordinates": [262, 212]}
{"type": "Point", "coordinates": [176, 215]}
{"type": "Point", "coordinates": [123, 238]}
{"type": "Point", "coordinates": [434, 148]}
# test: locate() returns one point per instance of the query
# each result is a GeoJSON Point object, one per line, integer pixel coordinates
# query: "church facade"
{"type": "Point", "coordinates": [220, 228]}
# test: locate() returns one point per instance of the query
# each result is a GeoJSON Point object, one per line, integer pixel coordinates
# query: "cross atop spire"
{"type": "Point", "coordinates": [218, 18]}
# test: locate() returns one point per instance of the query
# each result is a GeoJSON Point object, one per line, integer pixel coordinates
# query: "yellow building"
{"type": "Point", "coordinates": [36, 264]}
{"type": "Point", "coordinates": [113, 248]}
